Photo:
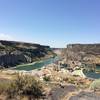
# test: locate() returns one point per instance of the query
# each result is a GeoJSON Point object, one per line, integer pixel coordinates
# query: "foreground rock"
{"type": "Point", "coordinates": [60, 92]}
{"type": "Point", "coordinates": [86, 96]}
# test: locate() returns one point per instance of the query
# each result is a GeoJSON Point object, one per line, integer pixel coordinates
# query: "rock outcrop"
{"type": "Point", "coordinates": [13, 53]}
{"type": "Point", "coordinates": [83, 52]}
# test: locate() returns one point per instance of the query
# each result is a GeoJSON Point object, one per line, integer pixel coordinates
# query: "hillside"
{"type": "Point", "coordinates": [13, 53]}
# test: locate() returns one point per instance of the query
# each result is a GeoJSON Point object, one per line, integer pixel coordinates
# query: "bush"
{"type": "Point", "coordinates": [4, 85]}
{"type": "Point", "coordinates": [71, 80]}
{"type": "Point", "coordinates": [95, 85]}
{"type": "Point", "coordinates": [46, 78]}
{"type": "Point", "coordinates": [65, 79]}
{"type": "Point", "coordinates": [25, 85]}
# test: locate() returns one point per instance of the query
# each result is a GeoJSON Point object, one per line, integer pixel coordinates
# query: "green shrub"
{"type": "Point", "coordinates": [46, 78]}
{"type": "Point", "coordinates": [25, 85]}
{"type": "Point", "coordinates": [4, 85]}
{"type": "Point", "coordinates": [71, 80]}
{"type": "Point", "coordinates": [95, 85]}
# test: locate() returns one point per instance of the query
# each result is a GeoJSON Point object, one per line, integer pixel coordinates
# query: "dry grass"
{"type": "Point", "coordinates": [21, 86]}
{"type": "Point", "coordinates": [5, 75]}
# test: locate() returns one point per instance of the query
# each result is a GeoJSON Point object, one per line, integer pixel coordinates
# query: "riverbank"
{"type": "Point", "coordinates": [37, 64]}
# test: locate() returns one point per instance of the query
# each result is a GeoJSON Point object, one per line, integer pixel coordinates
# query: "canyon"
{"type": "Point", "coordinates": [13, 53]}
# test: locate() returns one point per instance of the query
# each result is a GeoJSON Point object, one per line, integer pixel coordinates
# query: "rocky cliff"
{"type": "Point", "coordinates": [13, 53]}
{"type": "Point", "coordinates": [83, 52]}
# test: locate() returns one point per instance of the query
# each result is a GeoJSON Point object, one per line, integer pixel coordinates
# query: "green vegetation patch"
{"type": "Point", "coordinates": [95, 85]}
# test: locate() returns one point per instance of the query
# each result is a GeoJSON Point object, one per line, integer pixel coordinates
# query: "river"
{"type": "Point", "coordinates": [91, 74]}
{"type": "Point", "coordinates": [38, 64]}
{"type": "Point", "coordinates": [42, 63]}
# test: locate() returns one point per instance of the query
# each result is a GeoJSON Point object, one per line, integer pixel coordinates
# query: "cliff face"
{"type": "Point", "coordinates": [57, 51]}
{"type": "Point", "coordinates": [85, 52]}
{"type": "Point", "coordinates": [14, 53]}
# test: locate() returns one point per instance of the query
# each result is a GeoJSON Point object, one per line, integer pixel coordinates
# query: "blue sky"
{"type": "Point", "coordinates": [50, 22]}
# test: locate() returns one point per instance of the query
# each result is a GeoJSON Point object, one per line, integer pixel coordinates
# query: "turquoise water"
{"type": "Point", "coordinates": [98, 67]}
{"type": "Point", "coordinates": [93, 74]}
{"type": "Point", "coordinates": [37, 65]}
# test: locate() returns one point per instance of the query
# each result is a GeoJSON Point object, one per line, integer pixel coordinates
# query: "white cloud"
{"type": "Point", "coordinates": [4, 36]}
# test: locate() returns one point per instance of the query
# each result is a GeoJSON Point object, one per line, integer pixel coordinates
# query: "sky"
{"type": "Point", "coordinates": [50, 22]}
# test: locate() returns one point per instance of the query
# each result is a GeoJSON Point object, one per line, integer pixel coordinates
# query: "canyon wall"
{"type": "Point", "coordinates": [83, 52]}
{"type": "Point", "coordinates": [13, 53]}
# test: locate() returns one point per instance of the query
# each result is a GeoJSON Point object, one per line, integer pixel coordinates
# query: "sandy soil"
{"type": "Point", "coordinates": [6, 76]}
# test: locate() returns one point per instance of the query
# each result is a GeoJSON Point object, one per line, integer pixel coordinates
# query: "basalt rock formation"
{"type": "Point", "coordinates": [83, 52]}
{"type": "Point", "coordinates": [13, 53]}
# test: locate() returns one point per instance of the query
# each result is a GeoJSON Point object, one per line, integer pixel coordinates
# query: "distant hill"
{"type": "Point", "coordinates": [13, 53]}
